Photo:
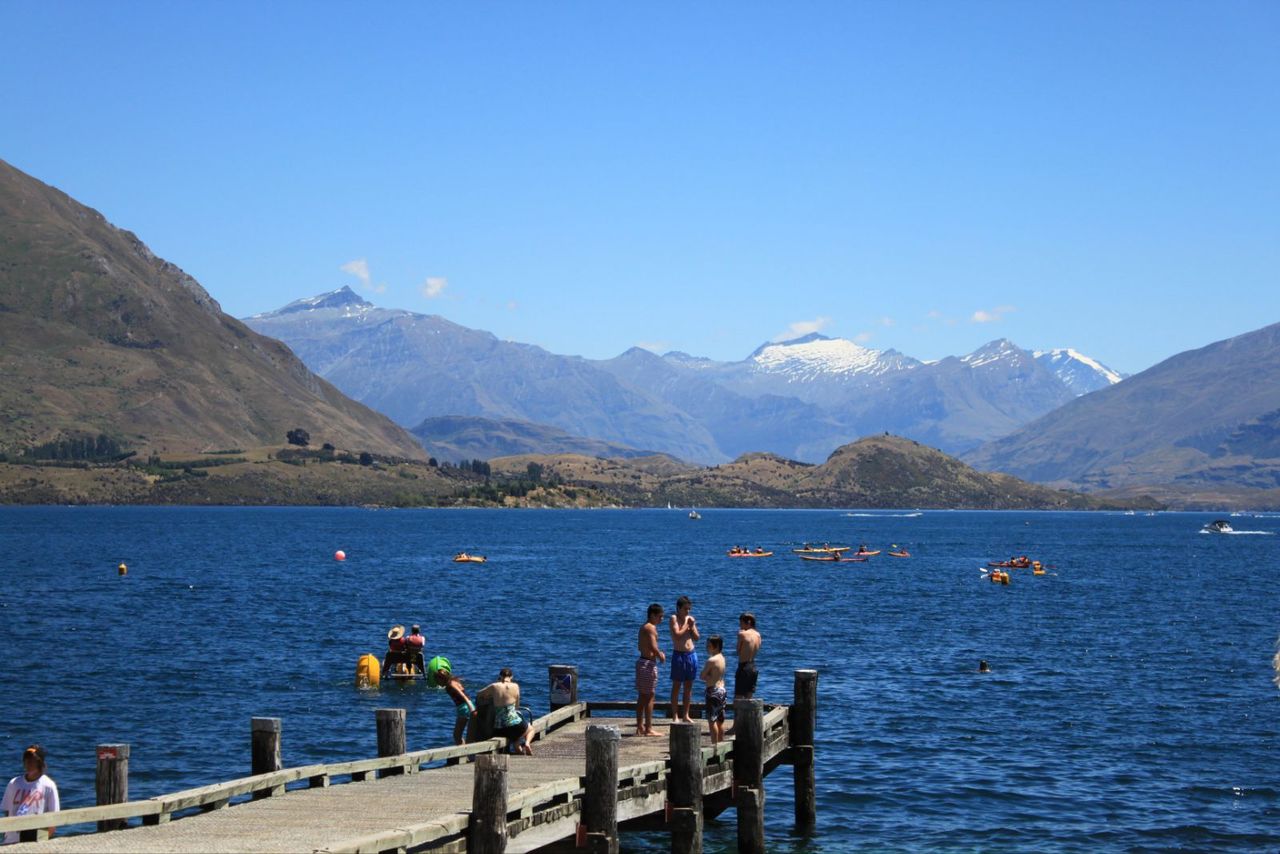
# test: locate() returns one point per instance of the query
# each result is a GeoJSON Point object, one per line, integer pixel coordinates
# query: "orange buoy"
{"type": "Point", "coordinates": [339, 555]}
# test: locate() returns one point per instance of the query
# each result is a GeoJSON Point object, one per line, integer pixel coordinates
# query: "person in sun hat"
{"type": "Point", "coordinates": [396, 651]}
{"type": "Point", "coordinates": [30, 793]}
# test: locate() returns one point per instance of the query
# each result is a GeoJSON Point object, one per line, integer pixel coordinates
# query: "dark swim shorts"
{"type": "Point", "coordinates": [744, 679]}
{"type": "Point", "coordinates": [715, 704]}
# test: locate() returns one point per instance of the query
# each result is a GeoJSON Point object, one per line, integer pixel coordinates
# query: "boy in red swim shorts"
{"type": "Point", "coordinates": [647, 670]}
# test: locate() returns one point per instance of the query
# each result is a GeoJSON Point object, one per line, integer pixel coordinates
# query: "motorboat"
{"type": "Point", "coordinates": [1218, 526]}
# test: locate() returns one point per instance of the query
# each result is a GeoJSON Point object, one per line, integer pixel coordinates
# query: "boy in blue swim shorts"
{"type": "Point", "coordinates": [684, 656]}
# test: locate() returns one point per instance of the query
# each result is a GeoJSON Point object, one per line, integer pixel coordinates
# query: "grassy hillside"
{"type": "Point", "coordinates": [878, 471]}
{"type": "Point", "coordinates": [99, 336]}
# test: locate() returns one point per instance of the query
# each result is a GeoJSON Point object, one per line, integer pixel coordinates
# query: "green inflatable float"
{"type": "Point", "coordinates": [434, 666]}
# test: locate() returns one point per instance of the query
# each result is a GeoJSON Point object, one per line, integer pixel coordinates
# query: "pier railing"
{"type": "Point", "coordinates": [673, 793]}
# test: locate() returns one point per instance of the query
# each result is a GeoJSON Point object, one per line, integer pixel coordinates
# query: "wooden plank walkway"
{"type": "Point", "coordinates": [428, 809]}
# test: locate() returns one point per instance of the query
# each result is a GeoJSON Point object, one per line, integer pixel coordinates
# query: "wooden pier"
{"type": "Point", "coordinates": [585, 785]}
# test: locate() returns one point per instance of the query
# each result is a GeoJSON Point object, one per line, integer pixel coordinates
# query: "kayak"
{"type": "Point", "coordinates": [463, 557]}
{"type": "Point", "coordinates": [1006, 564]}
{"type": "Point", "coordinates": [749, 554]}
{"type": "Point", "coordinates": [900, 554]}
{"type": "Point", "coordinates": [835, 559]}
{"type": "Point", "coordinates": [816, 550]}
{"type": "Point", "coordinates": [868, 554]}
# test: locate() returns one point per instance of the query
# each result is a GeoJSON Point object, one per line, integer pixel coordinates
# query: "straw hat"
{"type": "Point", "coordinates": [396, 633]}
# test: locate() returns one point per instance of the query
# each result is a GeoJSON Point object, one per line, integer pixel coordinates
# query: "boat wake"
{"type": "Point", "coordinates": [1240, 533]}
{"type": "Point", "coordinates": [885, 515]}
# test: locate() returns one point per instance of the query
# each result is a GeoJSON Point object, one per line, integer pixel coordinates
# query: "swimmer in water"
{"type": "Point", "coordinates": [983, 667]}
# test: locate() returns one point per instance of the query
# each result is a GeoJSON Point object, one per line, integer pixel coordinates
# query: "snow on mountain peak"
{"type": "Point", "coordinates": [993, 351]}
{"type": "Point", "coordinates": [1079, 372]}
{"type": "Point", "coordinates": [814, 356]}
{"type": "Point", "coordinates": [344, 298]}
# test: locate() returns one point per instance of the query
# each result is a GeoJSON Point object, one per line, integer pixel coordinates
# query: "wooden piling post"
{"type": "Point", "coordinates": [391, 737]}
{"type": "Point", "coordinates": [684, 788]}
{"type": "Point", "coordinates": [600, 799]}
{"type": "Point", "coordinates": [112, 781]}
{"type": "Point", "coordinates": [803, 720]}
{"type": "Point", "coordinates": [487, 833]}
{"type": "Point", "coordinates": [266, 751]}
{"type": "Point", "coordinates": [564, 685]}
{"type": "Point", "coordinates": [748, 773]}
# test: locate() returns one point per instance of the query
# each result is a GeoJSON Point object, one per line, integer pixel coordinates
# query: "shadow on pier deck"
{"type": "Point", "coordinates": [585, 785]}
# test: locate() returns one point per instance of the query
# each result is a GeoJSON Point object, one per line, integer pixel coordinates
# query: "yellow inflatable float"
{"type": "Point", "coordinates": [368, 671]}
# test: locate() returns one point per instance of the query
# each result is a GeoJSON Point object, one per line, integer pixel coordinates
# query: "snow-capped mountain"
{"type": "Point", "coordinates": [817, 357]}
{"type": "Point", "coordinates": [800, 398]}
{"type": "Point", "coordinates": [1077, 371]}
{"type": "Point", "coordinates": [348, 302]}
{"type": "Point", "coordinates": [412, 367]}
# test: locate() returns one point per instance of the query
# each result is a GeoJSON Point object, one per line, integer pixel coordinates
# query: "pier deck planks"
{"type": "Point", "coordinates": [314, 819]}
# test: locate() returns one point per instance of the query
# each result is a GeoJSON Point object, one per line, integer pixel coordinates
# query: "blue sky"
{"type": "Point", "coordinates": [926, 176]}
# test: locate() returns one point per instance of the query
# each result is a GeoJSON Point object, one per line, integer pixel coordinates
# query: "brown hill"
{"type": "Point", "coordinates": [99, 336]}
{"type": "Point", "coordinates": [878, 471]}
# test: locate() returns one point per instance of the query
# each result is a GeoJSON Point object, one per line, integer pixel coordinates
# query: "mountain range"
{"type": "Point", "coordinates": [800, 399]}
{"type": "Point", "coordinates": [101, 341]}
{"type": "Point", "coordinates": [1204, 422]}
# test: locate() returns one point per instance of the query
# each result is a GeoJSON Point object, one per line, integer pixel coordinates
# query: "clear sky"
{"type": "Point", "coordinates": [697, 176]}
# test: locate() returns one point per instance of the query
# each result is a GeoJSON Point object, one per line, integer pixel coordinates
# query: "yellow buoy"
{"type": "Point", "coordinates": [368, 671]}
{"type": "Point", "coordinates": [122, 569]}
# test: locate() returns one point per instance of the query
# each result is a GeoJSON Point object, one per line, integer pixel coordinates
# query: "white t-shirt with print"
{"type": "Point", "coordinates": [28, 797]}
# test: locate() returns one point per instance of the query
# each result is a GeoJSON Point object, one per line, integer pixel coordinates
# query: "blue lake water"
{"type": "Point", "coordinates": [1130, 704]}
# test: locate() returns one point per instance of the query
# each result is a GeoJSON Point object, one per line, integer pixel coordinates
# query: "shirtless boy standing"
{"type": "Point", "coordinates": [713, 676]}
{"type": "Point", "coordinates": [744, 680]}
{"type": "Point", "coordinates": [684, 656]}
{"type": "Point", "coordinates": [647, 670]}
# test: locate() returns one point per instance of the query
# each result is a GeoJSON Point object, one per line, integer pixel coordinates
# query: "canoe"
{"type": "Point", "coordinates": [835, 559]}
{"type": "Point", "coordinates": [466, 558]}
{"type": "Point", "coordinates": [749, 554]}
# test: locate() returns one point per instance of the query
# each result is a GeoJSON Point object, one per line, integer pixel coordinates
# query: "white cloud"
{"type": "Point", "coordinates": [358, 268]}
{"type": "Point", "coordinates": [658, 347]}
{"type": "Point", "coordinates": [434, 286]}
{"type": "Point", "coordinates": [886, 321]}
{"type": "Point", "coordinates": [803, 327]}
{"type": "Point", "coordinates": [863, 337]}
{"type": "Point", "coordinates": [995, 315]}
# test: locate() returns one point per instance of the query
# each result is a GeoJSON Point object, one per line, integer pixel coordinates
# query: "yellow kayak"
{"type": "Point", "coordinates": [463, 557]}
